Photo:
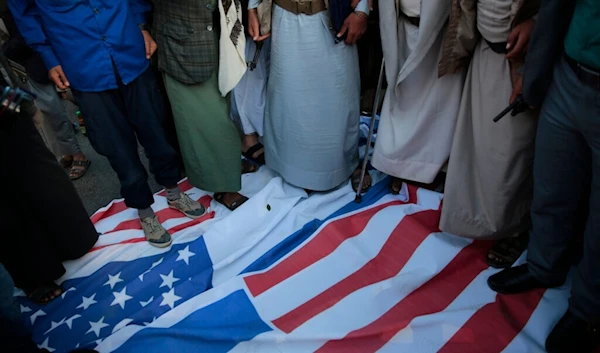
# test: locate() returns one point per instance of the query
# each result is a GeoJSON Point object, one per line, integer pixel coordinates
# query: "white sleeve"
{"type": "Point", "coordinates": [252, 4]}
{"type": "Point", "coordinates": [363, 6]}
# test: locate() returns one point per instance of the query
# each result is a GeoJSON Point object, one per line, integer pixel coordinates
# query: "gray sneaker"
{"type": "Point", "coordinates": [190, 208]}
{"type": "Point", "coordinates": [155, 233]}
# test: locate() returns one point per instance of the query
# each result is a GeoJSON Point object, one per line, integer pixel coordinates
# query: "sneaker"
{"type": "Point", "coordinates": [190, 208]}
{"type": "Point", "coordinates": [155, 233]}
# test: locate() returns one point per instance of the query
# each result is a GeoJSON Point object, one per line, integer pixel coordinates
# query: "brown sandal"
{"type": "Point", "coordinates": [45, 293]}
{"type": "Point", "coordinates": [79, 168]}
{"type": "Point", "coordinates": [66, 163]}
{"type": "Point", "coordinates": [219, 197]}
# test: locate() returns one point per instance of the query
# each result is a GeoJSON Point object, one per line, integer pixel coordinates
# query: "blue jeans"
{"type": "Point", "coordinates": [115, 118]}
{"type": "Point", "coordinates": [568, 134]}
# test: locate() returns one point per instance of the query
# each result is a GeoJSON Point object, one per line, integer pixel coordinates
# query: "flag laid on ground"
{"type": "Point", "coordinates": [291, 273]}
{"type": "Point", "coordinates": [287, 273]}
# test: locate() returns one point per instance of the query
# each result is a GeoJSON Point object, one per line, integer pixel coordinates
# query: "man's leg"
{"type": "Point", "coordinates": [112, 136]}
{"type": "Point", "coordinates": [559, 175]}
{"type": "Point", "coordinates": [57, 125]}
{"type": "Point", "coordinates": [585, 300]}
{"type": "Point", "coordinates": [560, 168]}
{"type": "Point", "coordinates": [146, 112]}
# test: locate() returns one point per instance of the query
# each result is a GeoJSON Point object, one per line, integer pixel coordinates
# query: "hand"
{"type": "Point", "coordinates": [254, 26]}
{"type": "Point", "coordinates": [57, 76]}
{"type": "Point", "coordinates": [356, 26]}
{"type": "Point", "coordinates": [354, 4]}
{"type": "Point", "coordinates": [518, 39]}
{"type": "Point", "coordinates": [150, 44]}
{"type": "Point", "coordinates": [517, 89]}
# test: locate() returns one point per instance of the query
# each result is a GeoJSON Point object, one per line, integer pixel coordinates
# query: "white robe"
{"type": "Point", "coordinates": [249, 96]}
{"type": "Point", "coordinates": [419, 110]}
{"type": "Point", "coordinates": [312, 111]}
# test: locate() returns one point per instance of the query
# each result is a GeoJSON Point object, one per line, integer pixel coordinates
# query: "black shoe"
{"type": "Point", "coordinates": [516, 280]}
{"type": "Point", "coordinates": [572, 334]}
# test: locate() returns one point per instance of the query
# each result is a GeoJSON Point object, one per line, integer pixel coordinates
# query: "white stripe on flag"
{"type": "Point", "coordinates": [551, 308]}
{"type": "Point", "coordinates": [367, 304]}
{"type": "Point", "coordinates": [429, 333]}
{"type": "Point", "coordinates": [349, 257]}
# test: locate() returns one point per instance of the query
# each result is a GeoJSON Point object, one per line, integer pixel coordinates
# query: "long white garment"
{"type": "Point", "coordinates": [419, 110]}
{"type": "Point", "coordinates": [249, 96]}
{"type": "Point", "coordinates": [312, 113]}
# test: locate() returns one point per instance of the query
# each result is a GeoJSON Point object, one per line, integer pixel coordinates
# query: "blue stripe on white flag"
{"type": "Point", "coordinates": [216, 328]}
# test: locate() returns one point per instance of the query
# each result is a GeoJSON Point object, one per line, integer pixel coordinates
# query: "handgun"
{"type": "Point", "coordinates": [518, 106]}
{"type": "Point", "coordinates": [254, 62]}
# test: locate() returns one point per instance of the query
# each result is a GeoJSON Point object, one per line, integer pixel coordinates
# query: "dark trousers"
{"type": "Point", "coordinates": [14, 337]}
{"type": "Point", "coordinates": [567, 149]}
{"type": "Point", "coordinates": [43, 219]}
{"type": "Point", "coordinates": [113, 120]}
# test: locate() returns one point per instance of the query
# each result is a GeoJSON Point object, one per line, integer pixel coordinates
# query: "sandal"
{"type": "Point", "coordinates": [506, 251]}
{"type": "Point", "coordinates": [248, 167]}
{"type": "Point", "coordinates": [45, 293]}
{"type": "Point", "coordinates": [355, 179]}
{"type": "Point", "coordinates": [219, 197]}
{"type": "Point", "coordinates": [66, 163]}
{"type": "Point", "coordinates": [249, 154]}
{"type": "Point", "coordinates": [79, 168]}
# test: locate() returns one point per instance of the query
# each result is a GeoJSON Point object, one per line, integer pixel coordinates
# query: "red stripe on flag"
{"type": "Point", "coordinates": [323, 244]}
{"type": "Point", "coordinates": [163, 216]}
{"type": "Point", "coordinates": [495, 325]}
{"type": "Point", "coordinates": [412, 193]}
{"type": "Point", "coordinates": [432, 297]}
{"type": "Point", "coordinates": [171, 231]}
{"type": "Point", "coordinates": [119, 206]}
{"type": "Point", "coordinates": [116, 207]}
{"type": "Point", "coordinates": [128, 241]}
{"type": "Point", "coordinates": [395, 253]}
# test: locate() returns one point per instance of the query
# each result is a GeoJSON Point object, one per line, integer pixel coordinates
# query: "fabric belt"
{"type": "Point", "coordinates": [415, 21]}
{"type": "Point", "coordinates": [586, 74]}
{"type": "Point", "coordinates": [498, 48]}
{"type": "Point", "coordinates": [302, 7]}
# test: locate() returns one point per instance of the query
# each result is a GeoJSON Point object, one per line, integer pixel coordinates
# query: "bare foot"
{"type": "Point", "coordinates": [396, 186]}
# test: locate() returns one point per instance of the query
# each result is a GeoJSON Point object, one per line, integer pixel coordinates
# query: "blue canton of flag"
{"type": "Point", "coordinates": [120, 294]}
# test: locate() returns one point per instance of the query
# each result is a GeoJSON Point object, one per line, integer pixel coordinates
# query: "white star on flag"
{"type": "Point", "coordinates": [25, 309]}
{"type": "Point", "coordinates": [67, 291]}
{"type": "Point", "coordinates": [45, 345]}
{"type": "Point", "coordinates": [185, 255]}
{"type": "Point", "coordinates": [54, 325]}
{"type": "Point", "coordinates": [36, 315]}
{"type": "Point", "coordinates": [120, 298]}
{"type": "Point", "coordinates": [113, 280]}
{"type": "Point", "coordinates": [168, 280]}
{"type": "Point", "coordinates": [170, 298]}
{"type": "Point", "coordinates": [95, 327]}
{"type": "Point", "coordinates": [121, 324]}
{"type": "Point", "coordinates": [144, 304]}
{"type": "Point", "coordinates": [148, 323]}
{"type": "Point", "coordinates": [87, 302]}
{"type": "Point", "coordinates": [141, 277]}
{"type": "Point", "coordinates": [69, 322]}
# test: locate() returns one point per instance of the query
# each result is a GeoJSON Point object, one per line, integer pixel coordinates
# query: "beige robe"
{"type": "Point", "coordinates": [489, 182]}
{"type": "Point", "coordinates": [419, 110]}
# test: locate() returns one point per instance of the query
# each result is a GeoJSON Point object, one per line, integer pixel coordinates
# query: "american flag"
{"type": "Point", "coordinates": [287, 273]}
